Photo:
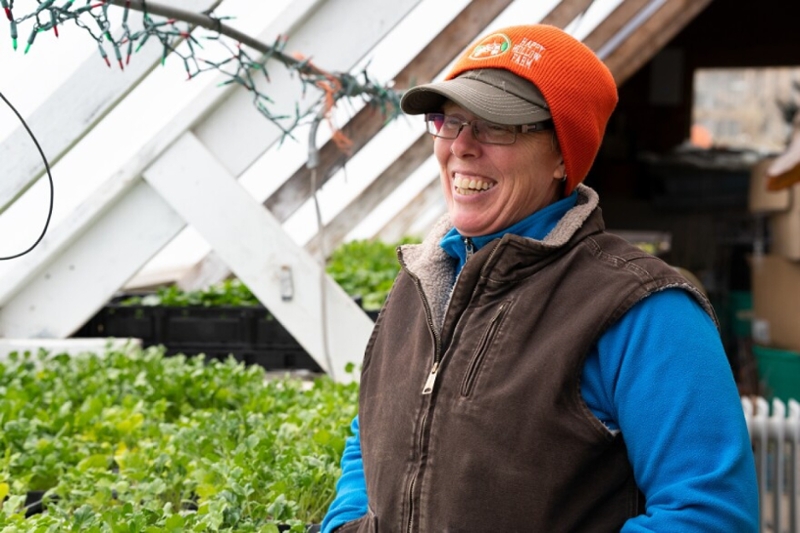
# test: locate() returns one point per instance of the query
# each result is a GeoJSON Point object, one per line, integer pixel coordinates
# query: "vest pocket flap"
{"type": "Point", "coordinates": [366, 524]}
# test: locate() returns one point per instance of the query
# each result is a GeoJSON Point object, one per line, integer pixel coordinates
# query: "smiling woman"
{"type": "Point", "coordinates": [520, 341]}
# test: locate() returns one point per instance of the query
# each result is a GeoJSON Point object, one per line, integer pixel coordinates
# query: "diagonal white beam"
{"type": "Point", "coordinates": [109, 237]}
{"type": "Point", "coordinates": [237, 135]}
{"type": "Point", "coordinates": [255, 247]}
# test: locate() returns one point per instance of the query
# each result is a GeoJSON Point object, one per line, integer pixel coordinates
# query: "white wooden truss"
{"type": "Point", "coordinates": [187, 175]}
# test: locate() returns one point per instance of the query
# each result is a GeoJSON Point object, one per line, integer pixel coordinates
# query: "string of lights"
{"type": "Point", "coordinates": [244, 59]}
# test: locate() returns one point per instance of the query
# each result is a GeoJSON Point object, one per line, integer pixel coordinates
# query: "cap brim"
{"type": "Point", "coordinates": [479, 98]}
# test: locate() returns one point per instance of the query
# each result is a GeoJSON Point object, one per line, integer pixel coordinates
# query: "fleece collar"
{"type": "Point", "coordinates": [436, 269]}
{"type": "Point", "coordinates": [535, 226]}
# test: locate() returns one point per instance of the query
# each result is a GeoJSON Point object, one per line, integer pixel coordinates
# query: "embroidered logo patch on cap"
{"type": "Point", "coordinates": [491, 46]}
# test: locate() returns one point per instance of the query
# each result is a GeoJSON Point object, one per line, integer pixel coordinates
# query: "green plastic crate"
{"type": "Point", "coordinates": [779, 372]}
{"type": "Point", "coordinates": [741, 312]}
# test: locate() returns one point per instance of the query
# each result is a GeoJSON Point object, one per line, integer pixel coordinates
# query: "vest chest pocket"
{"type": "Point", "coordinates": [476, 363]}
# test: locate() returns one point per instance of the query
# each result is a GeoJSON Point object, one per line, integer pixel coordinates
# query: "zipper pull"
{"type": "Point", "coordinates": [431, 379]}
{"type": "Point", "coordinates": [469, 246]}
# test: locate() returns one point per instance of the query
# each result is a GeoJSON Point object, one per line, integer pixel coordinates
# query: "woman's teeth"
{"type": "Point", "coordinates": [469, 186]}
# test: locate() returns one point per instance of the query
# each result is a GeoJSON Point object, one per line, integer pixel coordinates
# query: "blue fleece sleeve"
{"type": "Point", "coordinates": [661, 376]}
{"type": "Point", "coordinates": [350, 502]}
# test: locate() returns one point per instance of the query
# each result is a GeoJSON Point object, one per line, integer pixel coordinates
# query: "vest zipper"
{"type": "Point", "coordinates": [428, 388]}
{"type": "Point", "coordinates": [431, 379]}
{"type": "Point", "coordinates": [470, 247]}
{"type": "Point", "coordinates": [483, 348]}
{"type": "Point", "coordinates": [429, 382]}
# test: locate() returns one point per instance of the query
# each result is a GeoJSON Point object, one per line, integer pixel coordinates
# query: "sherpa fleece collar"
{"type": "Point", "coordinates": [435, 269]}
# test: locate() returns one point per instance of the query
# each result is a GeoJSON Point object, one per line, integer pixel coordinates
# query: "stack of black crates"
{"type": "Point", "coordinates": [250, 334]}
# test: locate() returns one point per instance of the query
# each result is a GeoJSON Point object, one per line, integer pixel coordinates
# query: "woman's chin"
{"type": "Point", "coordinates": [472, 226]}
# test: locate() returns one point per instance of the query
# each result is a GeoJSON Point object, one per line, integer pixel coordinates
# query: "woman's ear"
{"type": "Point", "coordinates": [560, 172]}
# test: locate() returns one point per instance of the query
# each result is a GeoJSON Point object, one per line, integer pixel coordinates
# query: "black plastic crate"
{"type": "Point", "coordinates": [125, 321]}
{"type": "Point", "coordinates": [251, 334]}
{"type": "Point", "coordinates": [212, 325]}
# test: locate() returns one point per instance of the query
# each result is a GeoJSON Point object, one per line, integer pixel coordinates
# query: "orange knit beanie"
{"type": "Point", "coordinates": [579, 89]}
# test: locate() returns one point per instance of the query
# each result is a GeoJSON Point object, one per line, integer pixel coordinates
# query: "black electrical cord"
{"type": "Point", "coordinates": [49, 177]}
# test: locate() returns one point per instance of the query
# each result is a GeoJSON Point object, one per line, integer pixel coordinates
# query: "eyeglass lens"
{"type": "Point", "coordinates": [449, 127]}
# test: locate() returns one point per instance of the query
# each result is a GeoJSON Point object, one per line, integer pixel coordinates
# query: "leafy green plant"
{"type": "Point", "coordinates": [366, 269]}
{"type": "Point", "coordinates": [231, 292]}
{"type": "Point", "coordinates": [137, 442]}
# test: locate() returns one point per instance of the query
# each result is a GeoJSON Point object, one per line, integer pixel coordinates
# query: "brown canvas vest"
{"type": "Point", "coordinates": [502, 440]}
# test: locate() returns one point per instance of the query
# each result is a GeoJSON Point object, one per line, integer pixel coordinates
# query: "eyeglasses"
{"type": "Point", "coordinates": [449, 126]}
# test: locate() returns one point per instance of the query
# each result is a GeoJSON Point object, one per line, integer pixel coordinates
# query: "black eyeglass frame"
{"type": "Point", "coordinates": [544, 125]}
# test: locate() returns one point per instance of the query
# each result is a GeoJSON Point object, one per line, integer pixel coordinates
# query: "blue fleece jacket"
{"type": "Point", "coordinates": [661, 377]}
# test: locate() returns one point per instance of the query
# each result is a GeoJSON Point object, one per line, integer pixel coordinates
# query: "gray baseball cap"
{"type": "Point", "coordinates": [493, 94]}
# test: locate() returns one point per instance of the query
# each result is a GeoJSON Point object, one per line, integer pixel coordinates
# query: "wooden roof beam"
{"type": "Point", "coordinates": [370, 120]}
{"type": "Point", "coordinates": [337, 229]}
{"type": "Point", "coordinates": [614, 23]}
{"type": "Point", "coordinates": [649, 36]}
{"type": "Point", "coordinates": [397, 227]}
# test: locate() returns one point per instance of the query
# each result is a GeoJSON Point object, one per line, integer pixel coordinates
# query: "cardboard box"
{"type": "Point", "coordinates": [784, 230]}
{"type": "Point", "coordinates": [759, 199]}
{"type": "Point", "coordinates": [782, 211]}
{"type": "Point", "coordinates": [776, 301]}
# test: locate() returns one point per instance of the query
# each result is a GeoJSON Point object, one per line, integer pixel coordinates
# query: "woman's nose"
{"type": "Point", "coordinates": [465, 144]}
